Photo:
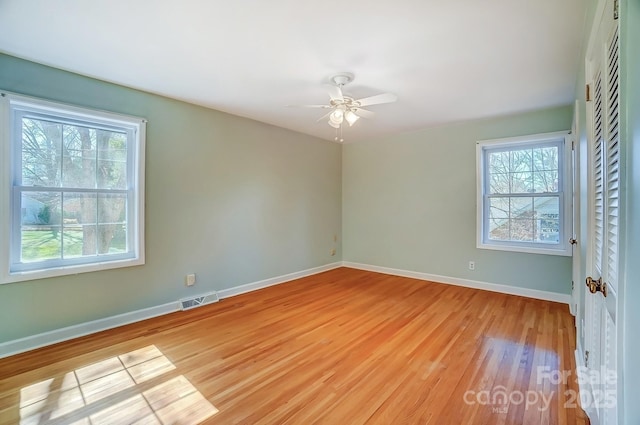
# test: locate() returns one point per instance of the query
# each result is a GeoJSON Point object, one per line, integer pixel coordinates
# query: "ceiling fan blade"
{"type": "Point", "coordinates": [363, 113]}
{"type": "Point", "coordinates": [309, 106]}
{"type": "Point", "coordinates": [335, 93]}
{"type": "Point", "coordinates": [377, 99]}
{"type": "Point", "coordinates": [325, 116]}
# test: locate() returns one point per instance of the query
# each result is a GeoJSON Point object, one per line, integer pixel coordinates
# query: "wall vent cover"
{"type": "Point", "coordinates": [199, 300]}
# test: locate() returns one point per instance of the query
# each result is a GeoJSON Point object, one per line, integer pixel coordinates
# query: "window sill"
{"type": "Point", "coordinates": [69, 270]}
{"type": "Point", "coordinates": [526, 249]}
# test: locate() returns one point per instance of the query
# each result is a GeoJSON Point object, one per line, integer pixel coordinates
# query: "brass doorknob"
{"type": "Point", "coordinates": [596, 285]}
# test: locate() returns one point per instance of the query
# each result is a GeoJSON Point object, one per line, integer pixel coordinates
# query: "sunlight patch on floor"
{"type": "Point", "coordinates": [136, 387]}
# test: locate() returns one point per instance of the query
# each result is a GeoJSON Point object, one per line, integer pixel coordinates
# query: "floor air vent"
{"type": "Point", "coordinates": [193, 302]}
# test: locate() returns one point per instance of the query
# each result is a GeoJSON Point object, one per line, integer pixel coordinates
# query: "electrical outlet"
{"type": "Point", "coordinates": [333, 252]}
{"type": "Point", "coordinates": [472, 265]}
{"type": "Point", "coordinates": [190, 280]}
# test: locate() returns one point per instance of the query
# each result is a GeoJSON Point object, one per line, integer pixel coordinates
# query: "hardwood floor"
{"type": "Point", "coordinates": [342, 347]}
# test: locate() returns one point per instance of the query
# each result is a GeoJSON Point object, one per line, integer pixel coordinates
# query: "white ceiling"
{"type": "Point", "coordinates": [447, 61]}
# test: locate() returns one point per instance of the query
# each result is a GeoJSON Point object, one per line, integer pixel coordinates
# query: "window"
{"type": "Point", "coordinates": [72, 189]}
{"type": "Point", "coordinates": [524, 194]}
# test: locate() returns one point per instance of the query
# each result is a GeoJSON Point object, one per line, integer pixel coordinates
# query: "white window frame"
{"type": "Point", "coordinates": [12, 106]}
{"type": "Point", "coordinates": [564, 189]}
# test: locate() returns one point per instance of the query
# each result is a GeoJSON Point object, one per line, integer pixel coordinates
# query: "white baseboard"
{"type": "Point", "coordinates": [254, 286]}
{"type": "Point", "coordinates": [494, 287]}
{"type": "Point", "coordinates": [75, 331]}
{"type": "Point", "coordinates": [21, 345]}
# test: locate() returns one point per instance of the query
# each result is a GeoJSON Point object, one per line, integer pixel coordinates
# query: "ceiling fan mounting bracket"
{"type": "Point", "coordinates": [342, 78]}
{"type": "Point", "coordinates": [347, 102]}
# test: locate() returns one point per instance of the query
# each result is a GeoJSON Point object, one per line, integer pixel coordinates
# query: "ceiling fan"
{"type": "Point", "coordinates": [346, 108]}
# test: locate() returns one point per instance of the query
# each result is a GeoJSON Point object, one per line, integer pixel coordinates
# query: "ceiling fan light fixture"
{"type": "Point", "coordinates": [343, 107]}
{"type": "Point", "coordinates": [336, 118]}
{"type": "Point", "coordinates": [351, 117]}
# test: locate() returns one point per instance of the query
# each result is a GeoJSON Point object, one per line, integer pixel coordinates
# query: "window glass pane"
{"type": "Point", "coordinates": [499, 162]}
{"type": "Point", "coordinates": [79, 165]}
{"type": "Point", "coordinates": [521, 182]}
{"type": "Point", "coordinates": [41, 153]}
{"type": "Point", "coordinates": [79, 210]}
{"type": "Point", "coordinates": [547, 213]}
{"type": "Point", "coordinates": [112, 213]}
{"type": "Point", "coordinates": [499, 207]}
{"type": "Point", "coordinates": [521, 208]}
{"type": "Point", "coordinates": [499, 229]}
{"type": "Point", "coordinates": [40, 226]}
{"type": "Point", "coordinates": [112, 160]}
{"type": "Point", "coordinates": [522, 230]}
{"type": "Point", "coordinates": [520, 160]}
{"type": "Point", "coordinates": [545, 182]}
{"type": "Point", "coordinates": [545, 159]}
{"type": "Point", "coordinates": [499, 183]}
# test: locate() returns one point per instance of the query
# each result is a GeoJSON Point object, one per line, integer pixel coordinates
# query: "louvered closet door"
{"type": "Point", "coordinates": [604, 198]}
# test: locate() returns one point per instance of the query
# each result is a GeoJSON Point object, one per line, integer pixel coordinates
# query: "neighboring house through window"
{"type": "Point", "coordinates": [524, 194]}
{"type": "Point", "coordinates": [72, 188]}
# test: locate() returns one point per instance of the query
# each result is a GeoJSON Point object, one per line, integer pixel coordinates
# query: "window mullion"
{"type": "Point", "coordinates": [62, 225]}
{"type": "Point", "coordinates": [525, 195]}
{"type": "Point", "coordinates": [69, 189]}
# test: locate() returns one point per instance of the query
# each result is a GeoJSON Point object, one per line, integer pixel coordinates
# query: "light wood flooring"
{"type": "Point", "coordinates": [343, 347]}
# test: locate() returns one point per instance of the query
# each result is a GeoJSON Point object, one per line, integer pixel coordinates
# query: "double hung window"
{"type": "Point", "coordinates": [524, 194]}
{"type": "Point", "coordinates": [72, 187]}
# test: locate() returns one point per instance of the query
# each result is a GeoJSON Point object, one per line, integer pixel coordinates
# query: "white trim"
{"type": "Point", "coordinates": [261, 284]}
{"type": "Point", "coordinates": [5, 182]}
{"type": "Point", "coordinates": [584, 386]}
{"type": "Point", "coordinates": [467, 283]}
{"type": "Point", "coordinates": [75, 331]}
{"type": "Point", "coordinates": [576, 259]}
{"type": "Point", "coordinates": [74, 111]}
{"type": "Point", "coordinates": [21, 345]}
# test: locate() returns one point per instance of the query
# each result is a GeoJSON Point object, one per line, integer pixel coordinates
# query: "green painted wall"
{"type": "Point", "coordinates": [230, 199]}
{"type": "Point", "coordinates": [630, 279]}
{"type": "Point", "coordinates": [409, 202]}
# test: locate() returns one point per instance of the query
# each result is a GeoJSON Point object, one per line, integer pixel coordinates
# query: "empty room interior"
{"type": "Point", "coordinates": [409, 212]}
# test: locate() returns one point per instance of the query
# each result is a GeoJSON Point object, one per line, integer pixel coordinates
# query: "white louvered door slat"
{"type": "Point", "coordinates": [613, 161]}
{"type": "Point", "coordinates": [598, 213]}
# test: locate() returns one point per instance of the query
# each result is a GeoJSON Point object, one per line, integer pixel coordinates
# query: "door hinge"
{"type": "Point", "coordinates": [616, 9]}
{"type": "Point", "coordinates": [586, 358]}
{"type": "Point", "coordinates": [588, 93]}
{"type": "Point", "coordinates": [572, 285]}
{"type": "Point", "coordinates": [573, 145]}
